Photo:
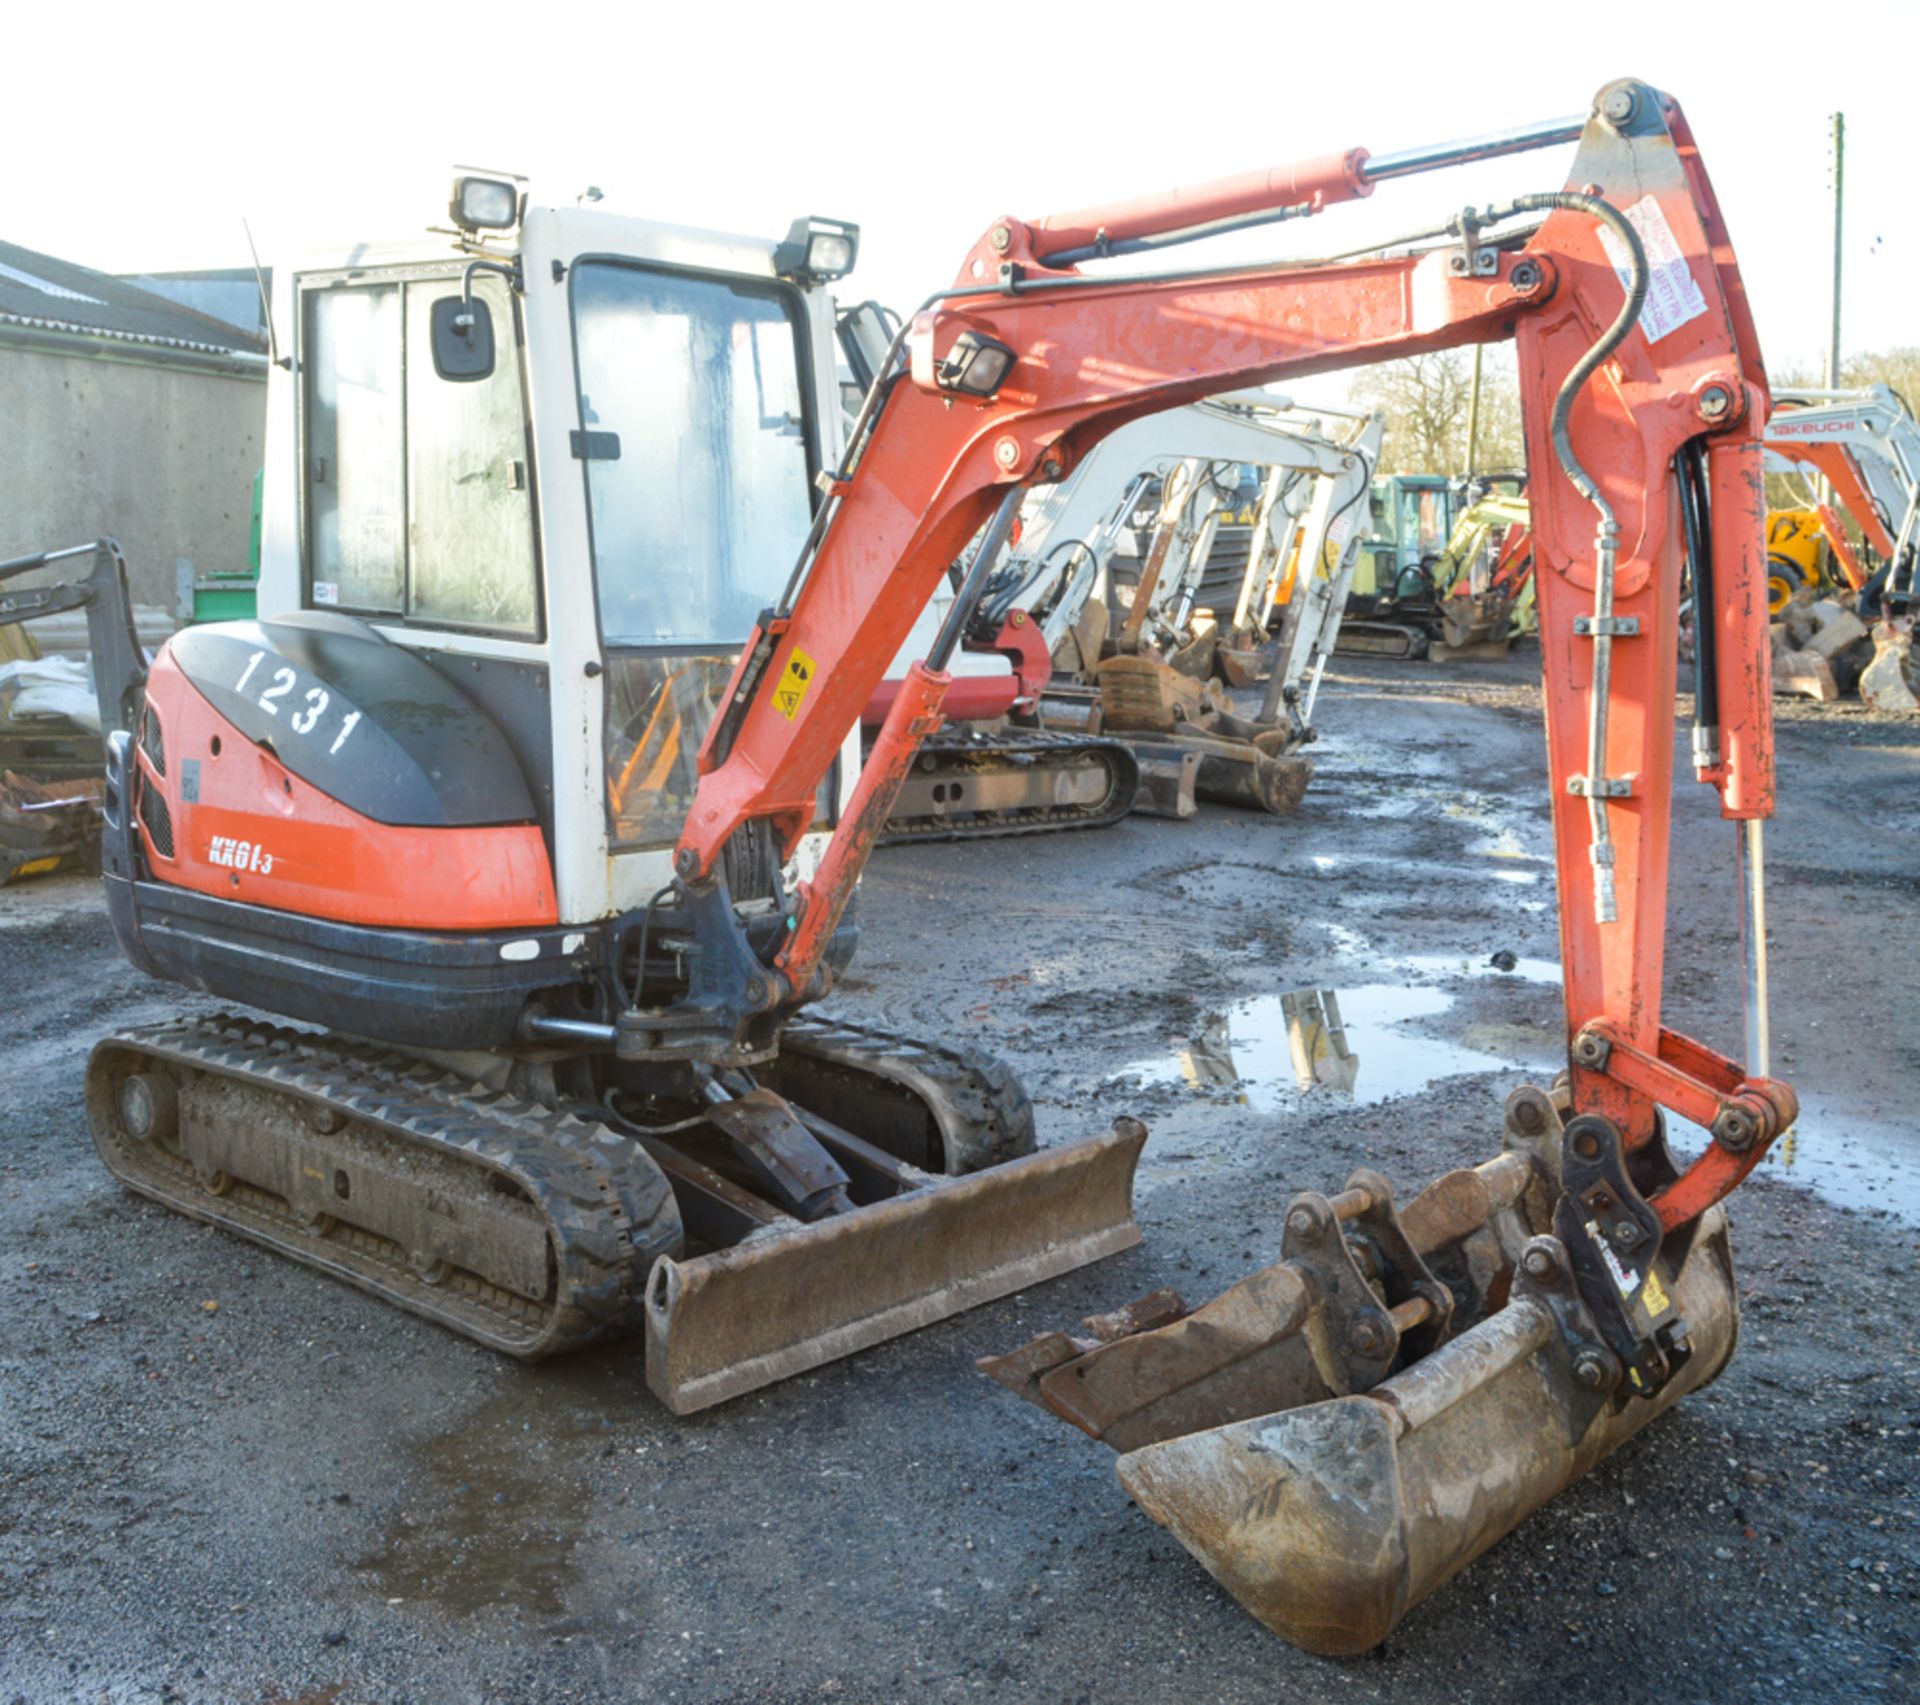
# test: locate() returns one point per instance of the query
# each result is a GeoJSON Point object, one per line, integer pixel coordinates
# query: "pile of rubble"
{"type": "Point", "coordinates": [1823, 649]}
{"type": "Point", "coordinates": [50, 763]}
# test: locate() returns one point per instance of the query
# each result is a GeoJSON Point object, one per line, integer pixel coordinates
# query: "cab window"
{"type": "Point", "coordinates": [418, 502]}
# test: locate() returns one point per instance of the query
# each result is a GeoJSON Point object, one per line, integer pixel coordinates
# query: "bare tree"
{"type": "Point", "coordinates": [1427, 399]}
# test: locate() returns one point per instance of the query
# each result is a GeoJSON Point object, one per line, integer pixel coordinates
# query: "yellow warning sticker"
{"type": "Point", "coordinates": [1654, 1295]}
{"type": "Point", "coordinates": [795, 679]}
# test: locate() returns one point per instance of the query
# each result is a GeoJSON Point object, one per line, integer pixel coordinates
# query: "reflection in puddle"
{"type": "Point", "coordinates": [1352, 1043]}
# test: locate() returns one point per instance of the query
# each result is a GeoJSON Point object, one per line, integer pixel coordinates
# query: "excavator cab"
{"type": "Point", "coordinates": [531, 483]}
{"type": "Point", "coordinates": [588, 522]}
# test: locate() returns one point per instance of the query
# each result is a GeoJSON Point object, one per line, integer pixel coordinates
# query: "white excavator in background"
{"type": "Point", "coordinates": [1867, 445]}
{"type": "Point", "coordinates": [1057, 687]}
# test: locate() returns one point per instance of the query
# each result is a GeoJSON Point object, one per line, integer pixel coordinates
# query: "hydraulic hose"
{"type": "Point", "coordinates": [1607, 535]}
{"type": "Point", "coordinates": [947, 640]}
{"type": "Point", "coordinates": [1690, 469]}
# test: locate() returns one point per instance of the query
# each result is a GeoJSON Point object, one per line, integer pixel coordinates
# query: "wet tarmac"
{"type": "Point", "coordinates": [300, 1495]}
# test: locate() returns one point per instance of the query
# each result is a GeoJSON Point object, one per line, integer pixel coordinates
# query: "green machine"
{"type": "Point", "coordinates": [1393, 603]}
{"type": "Point", "coordinates": [228, 595]}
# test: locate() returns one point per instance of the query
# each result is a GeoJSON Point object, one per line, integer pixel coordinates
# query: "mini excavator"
{"type": "Point", "coordinates": [1060, 710]}
{"type": "Point", "coordinates": [529, 481]}
{"type": "Point", "coordinates": [314, 813]}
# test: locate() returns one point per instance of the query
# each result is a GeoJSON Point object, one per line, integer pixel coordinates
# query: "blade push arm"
{"type": "Point", "coordinates": [1607, 413]}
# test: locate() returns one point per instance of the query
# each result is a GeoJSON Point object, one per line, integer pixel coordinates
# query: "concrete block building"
{"type": "Point", "coordinates": [125, 412]}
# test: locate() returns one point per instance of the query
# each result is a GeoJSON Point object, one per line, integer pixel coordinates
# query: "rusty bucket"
{"type": "Point", "coordinates": [1339, 1433]}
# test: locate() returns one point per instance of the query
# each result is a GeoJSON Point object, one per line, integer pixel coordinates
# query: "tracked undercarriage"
{"type": "Point", "coordinates": [534, 1224]}
{"type": "Point", "coordinates": [967, 783]}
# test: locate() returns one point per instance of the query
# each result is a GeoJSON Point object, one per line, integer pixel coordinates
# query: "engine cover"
{"type": "Point", "coordinates": [308, 765]}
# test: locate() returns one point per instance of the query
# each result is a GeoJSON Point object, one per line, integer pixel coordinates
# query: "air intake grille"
{"type": "Point", "coordinates": [156, 816]}
{"type": "Point", "coordinates": [152, 744]}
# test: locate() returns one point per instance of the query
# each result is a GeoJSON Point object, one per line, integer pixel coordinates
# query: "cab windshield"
{"type": "Point", "coordinates": [694, 437]}
{"type": "Point", "coordinates": [695, 444]}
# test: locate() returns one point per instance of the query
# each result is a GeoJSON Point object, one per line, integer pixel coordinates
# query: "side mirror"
{"type": "Point", "coordinates": [462, 338]}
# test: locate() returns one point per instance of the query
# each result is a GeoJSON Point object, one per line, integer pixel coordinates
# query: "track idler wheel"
{"type": "Point", "coordinates": [149, 1108]}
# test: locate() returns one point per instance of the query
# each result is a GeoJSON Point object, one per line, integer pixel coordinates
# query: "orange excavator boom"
{"type": "Point", "coordinates": [1341, 1431]}
{"type": "Point", "coordinates": [1644, 399]}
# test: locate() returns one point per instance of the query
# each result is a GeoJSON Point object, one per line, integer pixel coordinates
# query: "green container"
{"type": "Point", "coordinates": [224, 598]}
{"type": "Point", "coordinates": [233, 597]}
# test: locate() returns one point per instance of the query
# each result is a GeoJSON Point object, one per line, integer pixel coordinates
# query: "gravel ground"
{"type": "Point", "coordinates": [225, 1479]}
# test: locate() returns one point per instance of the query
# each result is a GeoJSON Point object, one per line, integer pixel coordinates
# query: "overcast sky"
{"type": "Point", "coordinates": [139, 140]}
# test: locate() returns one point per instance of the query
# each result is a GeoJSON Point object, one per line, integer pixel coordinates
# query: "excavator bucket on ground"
{"type": "Point", "coordinates": [1338, 1434]}
{"type": "Point", "coordinates": [1474, 628]}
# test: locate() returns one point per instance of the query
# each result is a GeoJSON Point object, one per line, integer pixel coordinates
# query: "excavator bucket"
{"type": "Point", "coordinates": [1166, 717]}
{"type": "Point", "coordinates": [781, 1303]}
{"type": "Point", "coordinates": [1338, 1434]}
{"type": "Point", "coordinates": [1473, 629]}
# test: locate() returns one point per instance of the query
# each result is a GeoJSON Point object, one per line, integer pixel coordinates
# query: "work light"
{"type": "Point", "coordinates": [976, 365]}
{"type": "Point", "coordinates": [817, 250]}
{"type": "Point", "coordinates": [484, 204]}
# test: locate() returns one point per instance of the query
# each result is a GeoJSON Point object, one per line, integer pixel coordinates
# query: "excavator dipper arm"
{"type": "Point", "coordinates": [1644, 401]}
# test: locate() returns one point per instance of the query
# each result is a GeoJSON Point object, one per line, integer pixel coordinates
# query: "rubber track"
{"type": "Point", "coordinates": [965, 753]}
{"type": "Point", "coordinates": [983, 1106]}
{"type": "Point", "coordinates": [609, 1209]}
{"type": "Point", "coordinates": [1354, 631]}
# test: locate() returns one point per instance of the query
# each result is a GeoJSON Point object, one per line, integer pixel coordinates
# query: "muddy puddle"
{"type": "Point", "coordinates": [1340, 864]}
{"type": "Point", "coordinates": [1355, 1045]}
{"type": "Point", "coordinates": [491, 1513]}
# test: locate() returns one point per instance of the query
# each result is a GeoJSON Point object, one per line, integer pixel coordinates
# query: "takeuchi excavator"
{"type": "Point", "coordinates": [1345, 1429]}
{"type": "Point", "coordinates": [1866, 444]}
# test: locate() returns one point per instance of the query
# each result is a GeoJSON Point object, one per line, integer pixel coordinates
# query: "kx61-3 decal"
{"type": "Point", "coordinates": [239, 855]}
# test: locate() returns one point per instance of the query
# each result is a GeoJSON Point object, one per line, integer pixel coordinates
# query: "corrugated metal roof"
{"type": "Point", "coordinates": [44, 293]}
{"type": "Point", "coordinates": [228, 293]}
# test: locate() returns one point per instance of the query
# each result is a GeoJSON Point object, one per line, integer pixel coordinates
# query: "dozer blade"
{"type": "Point", "coordinates": [788, 1300]}
{"type": "Point", "coordinates": [1330, 1522]}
